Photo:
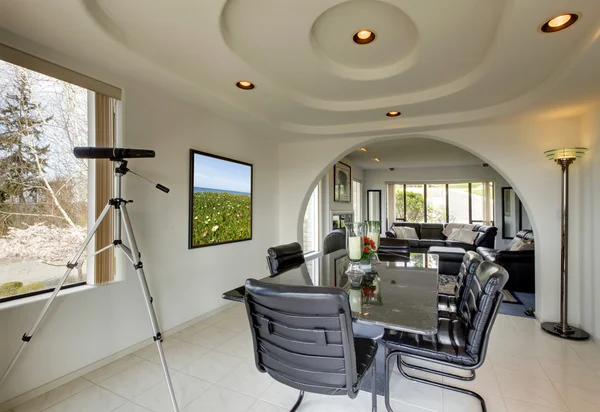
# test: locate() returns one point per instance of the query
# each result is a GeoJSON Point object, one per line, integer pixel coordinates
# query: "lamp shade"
{"type": "Point", "coordinates": [566, 153]}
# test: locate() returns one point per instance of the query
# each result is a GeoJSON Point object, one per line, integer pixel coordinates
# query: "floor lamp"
{"type": "Point", "coordinates": [564, 157]}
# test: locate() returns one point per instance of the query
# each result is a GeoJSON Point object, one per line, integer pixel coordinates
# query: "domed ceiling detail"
{"type": "Point", "coordinates": [439, 63]}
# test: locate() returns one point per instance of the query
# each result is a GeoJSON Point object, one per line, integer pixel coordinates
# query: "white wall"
{"type": "Point", "coordinates": [584, 275]}
{"type": "Point", "coordinates": [87, 326]}
{"type": "Point", "coordinates": [376, 180]}
{"type": "Point", "coordinates": [514, 150]}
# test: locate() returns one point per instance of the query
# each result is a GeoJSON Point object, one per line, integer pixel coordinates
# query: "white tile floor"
{"type": "Point", "coordinates": [213, 370]}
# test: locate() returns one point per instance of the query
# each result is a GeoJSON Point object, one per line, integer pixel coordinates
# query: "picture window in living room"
{"type": "Point", "coordinates": [469, 202]}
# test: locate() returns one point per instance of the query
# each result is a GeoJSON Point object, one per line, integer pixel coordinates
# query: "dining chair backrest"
{"type": "Point", "coordinates": [335, 240]}
{"type": "Point", "coordinates": [468, 267]}
{"type": "Point", "coordinates": [282, 258]}
{"type": "Point", "coordinates": [483, 297]}
{"type": "Point", "coordinates": [302, 336]}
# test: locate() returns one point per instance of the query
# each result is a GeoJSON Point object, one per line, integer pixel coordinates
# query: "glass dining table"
{"type": "Point", "coordinates": [407, 283]}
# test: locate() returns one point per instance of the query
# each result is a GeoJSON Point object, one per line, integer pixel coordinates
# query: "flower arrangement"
{"type": "Point", "coordinates": [368, 248]}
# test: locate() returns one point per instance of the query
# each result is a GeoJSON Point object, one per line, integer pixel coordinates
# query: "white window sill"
{"type": "Point", "coordinates": [43, 297]}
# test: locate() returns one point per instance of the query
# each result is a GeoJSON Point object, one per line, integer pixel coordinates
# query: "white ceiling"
{"type": "Point", "coordinates": [411, 153]}
{"type": "Point", "coordinates": [440, 63]}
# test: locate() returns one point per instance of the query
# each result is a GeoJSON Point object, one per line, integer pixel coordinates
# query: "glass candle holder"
{"type": "Point", "coordinates": [355, 241]}
{"type": "Point", "coordinates": [373, 228]}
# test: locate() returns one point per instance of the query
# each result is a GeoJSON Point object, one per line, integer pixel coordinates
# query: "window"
{"type": "Point", "coordinates": [436, 203]}
{"type": "Point", "coordinates": [442, 202]}
{"type": "Point", "coordinates": [458, 203]}
{"type": "Point", "coordinates": [414, 203]}
{"type": "Point", "coordinates": [357, 200]}
{"type": "Point", "coordinates": [311, 223]}
{"type": "Point", "coordinates": [43, 187]}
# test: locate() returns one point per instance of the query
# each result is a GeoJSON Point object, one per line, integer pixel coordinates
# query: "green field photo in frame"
{"type": "Point", "coordinates": [220, 200]}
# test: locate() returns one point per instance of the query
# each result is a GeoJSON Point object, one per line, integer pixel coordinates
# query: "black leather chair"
{"type": "Point", "coordinates": [461, 341]}
{"type": "Point", "coordinates": [335, 240]}
{"type": "Point", "coordinates": [285, 257]}
{"type": "Point", "coordinates": [303, 338]}
{"type": "Point", "coordinates": [448, 305]}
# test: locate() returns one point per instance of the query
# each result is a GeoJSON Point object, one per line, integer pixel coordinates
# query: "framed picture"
{"type": "Point", "coordinates": [220, 200]}
{"type": "Point", "coordinates": [342, 183]}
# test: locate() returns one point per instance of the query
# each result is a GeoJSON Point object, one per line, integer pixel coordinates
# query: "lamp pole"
{"type": "Point", "coordinates": [562, 328]}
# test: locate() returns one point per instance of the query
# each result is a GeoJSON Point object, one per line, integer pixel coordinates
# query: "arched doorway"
{"type": "Point", "coordinates": [429, 183]}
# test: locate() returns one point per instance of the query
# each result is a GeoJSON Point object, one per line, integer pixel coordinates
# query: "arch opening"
{"type": "Point", "coordinates": [451, 171]}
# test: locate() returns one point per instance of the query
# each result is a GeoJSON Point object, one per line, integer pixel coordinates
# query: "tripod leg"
{"type": "Point", "coordinates": [70, 266]}
{"type": "Point", "coordinates": [147, 297]}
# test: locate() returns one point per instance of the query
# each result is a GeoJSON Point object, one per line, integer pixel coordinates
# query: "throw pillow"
{"type": "Point", "coordinates": [398, 230]}
{"type": "Point", "coordinates": [517, 245]}
{"type": "Point", "coordinates": [410, 233]}
{"type": "Point", "coordinates": [450, 227]}
{"type": "Point", "coordinates": [463, 235]}
{"type": "Point", "coordinates": [522, 245]}
{"type": "Point", "coordinates": [403, 232]}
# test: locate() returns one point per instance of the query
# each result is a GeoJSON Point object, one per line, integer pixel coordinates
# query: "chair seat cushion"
{"type": "Point", "coordinates": [448, 345]}
{"type": "Point", "coordinates": [365, 350]}
{"type": "Point", "coordinates": [447, 304]}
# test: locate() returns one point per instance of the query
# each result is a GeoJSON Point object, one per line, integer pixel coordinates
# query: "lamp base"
{"type": "Point", "coordinates": [569, 332]}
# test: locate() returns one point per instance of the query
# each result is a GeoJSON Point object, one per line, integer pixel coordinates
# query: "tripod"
{"type": "Point", "coordinates": [119, 206]}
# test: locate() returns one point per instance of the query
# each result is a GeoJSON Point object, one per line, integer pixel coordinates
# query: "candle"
{"type": "Point", "coordinates": [355, 247]}
{"type": "Point", "coordinates": [374, 236]}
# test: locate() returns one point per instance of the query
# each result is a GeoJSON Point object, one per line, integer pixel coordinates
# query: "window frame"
{"type": "Point", "coordinates": [35, 64]}
{"type": "Point", "coordinates": [484, 182]}
{"type": "Point", "coordinates": [315, 199]}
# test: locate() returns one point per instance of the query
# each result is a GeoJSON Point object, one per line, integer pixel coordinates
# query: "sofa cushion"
{"type": "Point", "coordinates": [432, 231]}
{"type": "Point", "coordinates": [405, 232]}
{"type": "Point", "coordinates": [431, 242]}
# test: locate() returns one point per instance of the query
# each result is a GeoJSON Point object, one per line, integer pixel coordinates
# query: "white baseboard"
{"type": "Point", "coordinates": [11, 403]}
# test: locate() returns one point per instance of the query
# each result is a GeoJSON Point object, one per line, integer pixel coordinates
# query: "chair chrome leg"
{"type": "Point", "coordinates": [374, 387]}
{"type": "Point", "coordinates": [439, 385]}
{"type": "Point", "coordinates": [298, 402]}
{"type": "Point", "coordinates": [388, 372]}
{"type": "Point", "coordinates": [401, 362]}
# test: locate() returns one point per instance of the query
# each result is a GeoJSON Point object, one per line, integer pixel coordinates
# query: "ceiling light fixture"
{"type": "Point", "coordinates": [393, 114]}
{"type": "Point", "coordinates": [245, 85]}
{"type": "Point", "coordinates": [559, 22]}
{"type": "Point", "coordinates": [377, 159]}
{"type": "Point", "coordinates": [363, 149]}
{"type": "Point", "coordinates": [364, 36]}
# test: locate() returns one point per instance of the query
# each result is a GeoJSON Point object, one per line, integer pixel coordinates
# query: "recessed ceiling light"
{"type": "Point", "coordinates": [393, 114]}
{"type": "Point", "coordinates": [245, 85]}
{"type": "Point", "coordinates": [363, 149]}
{"type": "Point", "coordinates": [377, 159]}
{"type": "Point", "coordinates": [364, 36]}
{"type": "Point", "coordinates": [559, 22]}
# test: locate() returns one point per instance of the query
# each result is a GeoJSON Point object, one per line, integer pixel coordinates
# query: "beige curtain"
{"type": "Point", "coordinates": [104, 262]}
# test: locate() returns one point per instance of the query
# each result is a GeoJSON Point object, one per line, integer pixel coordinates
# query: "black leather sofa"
{"type": "Point", "coordinates": [430, 234]}
{"type": "Point", "coordinates": [520, 264]}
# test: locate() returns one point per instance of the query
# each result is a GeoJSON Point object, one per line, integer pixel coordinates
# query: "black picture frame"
{"type": "Point", "coordinates": [507, 211]}
{"type": "Point", "coordinates": [342, 190]}
{"type": "Point", "coordinates": [191, 192]}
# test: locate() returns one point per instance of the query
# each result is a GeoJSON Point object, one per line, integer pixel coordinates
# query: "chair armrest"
{"type": "Point", "coordinates": [390, 234]}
